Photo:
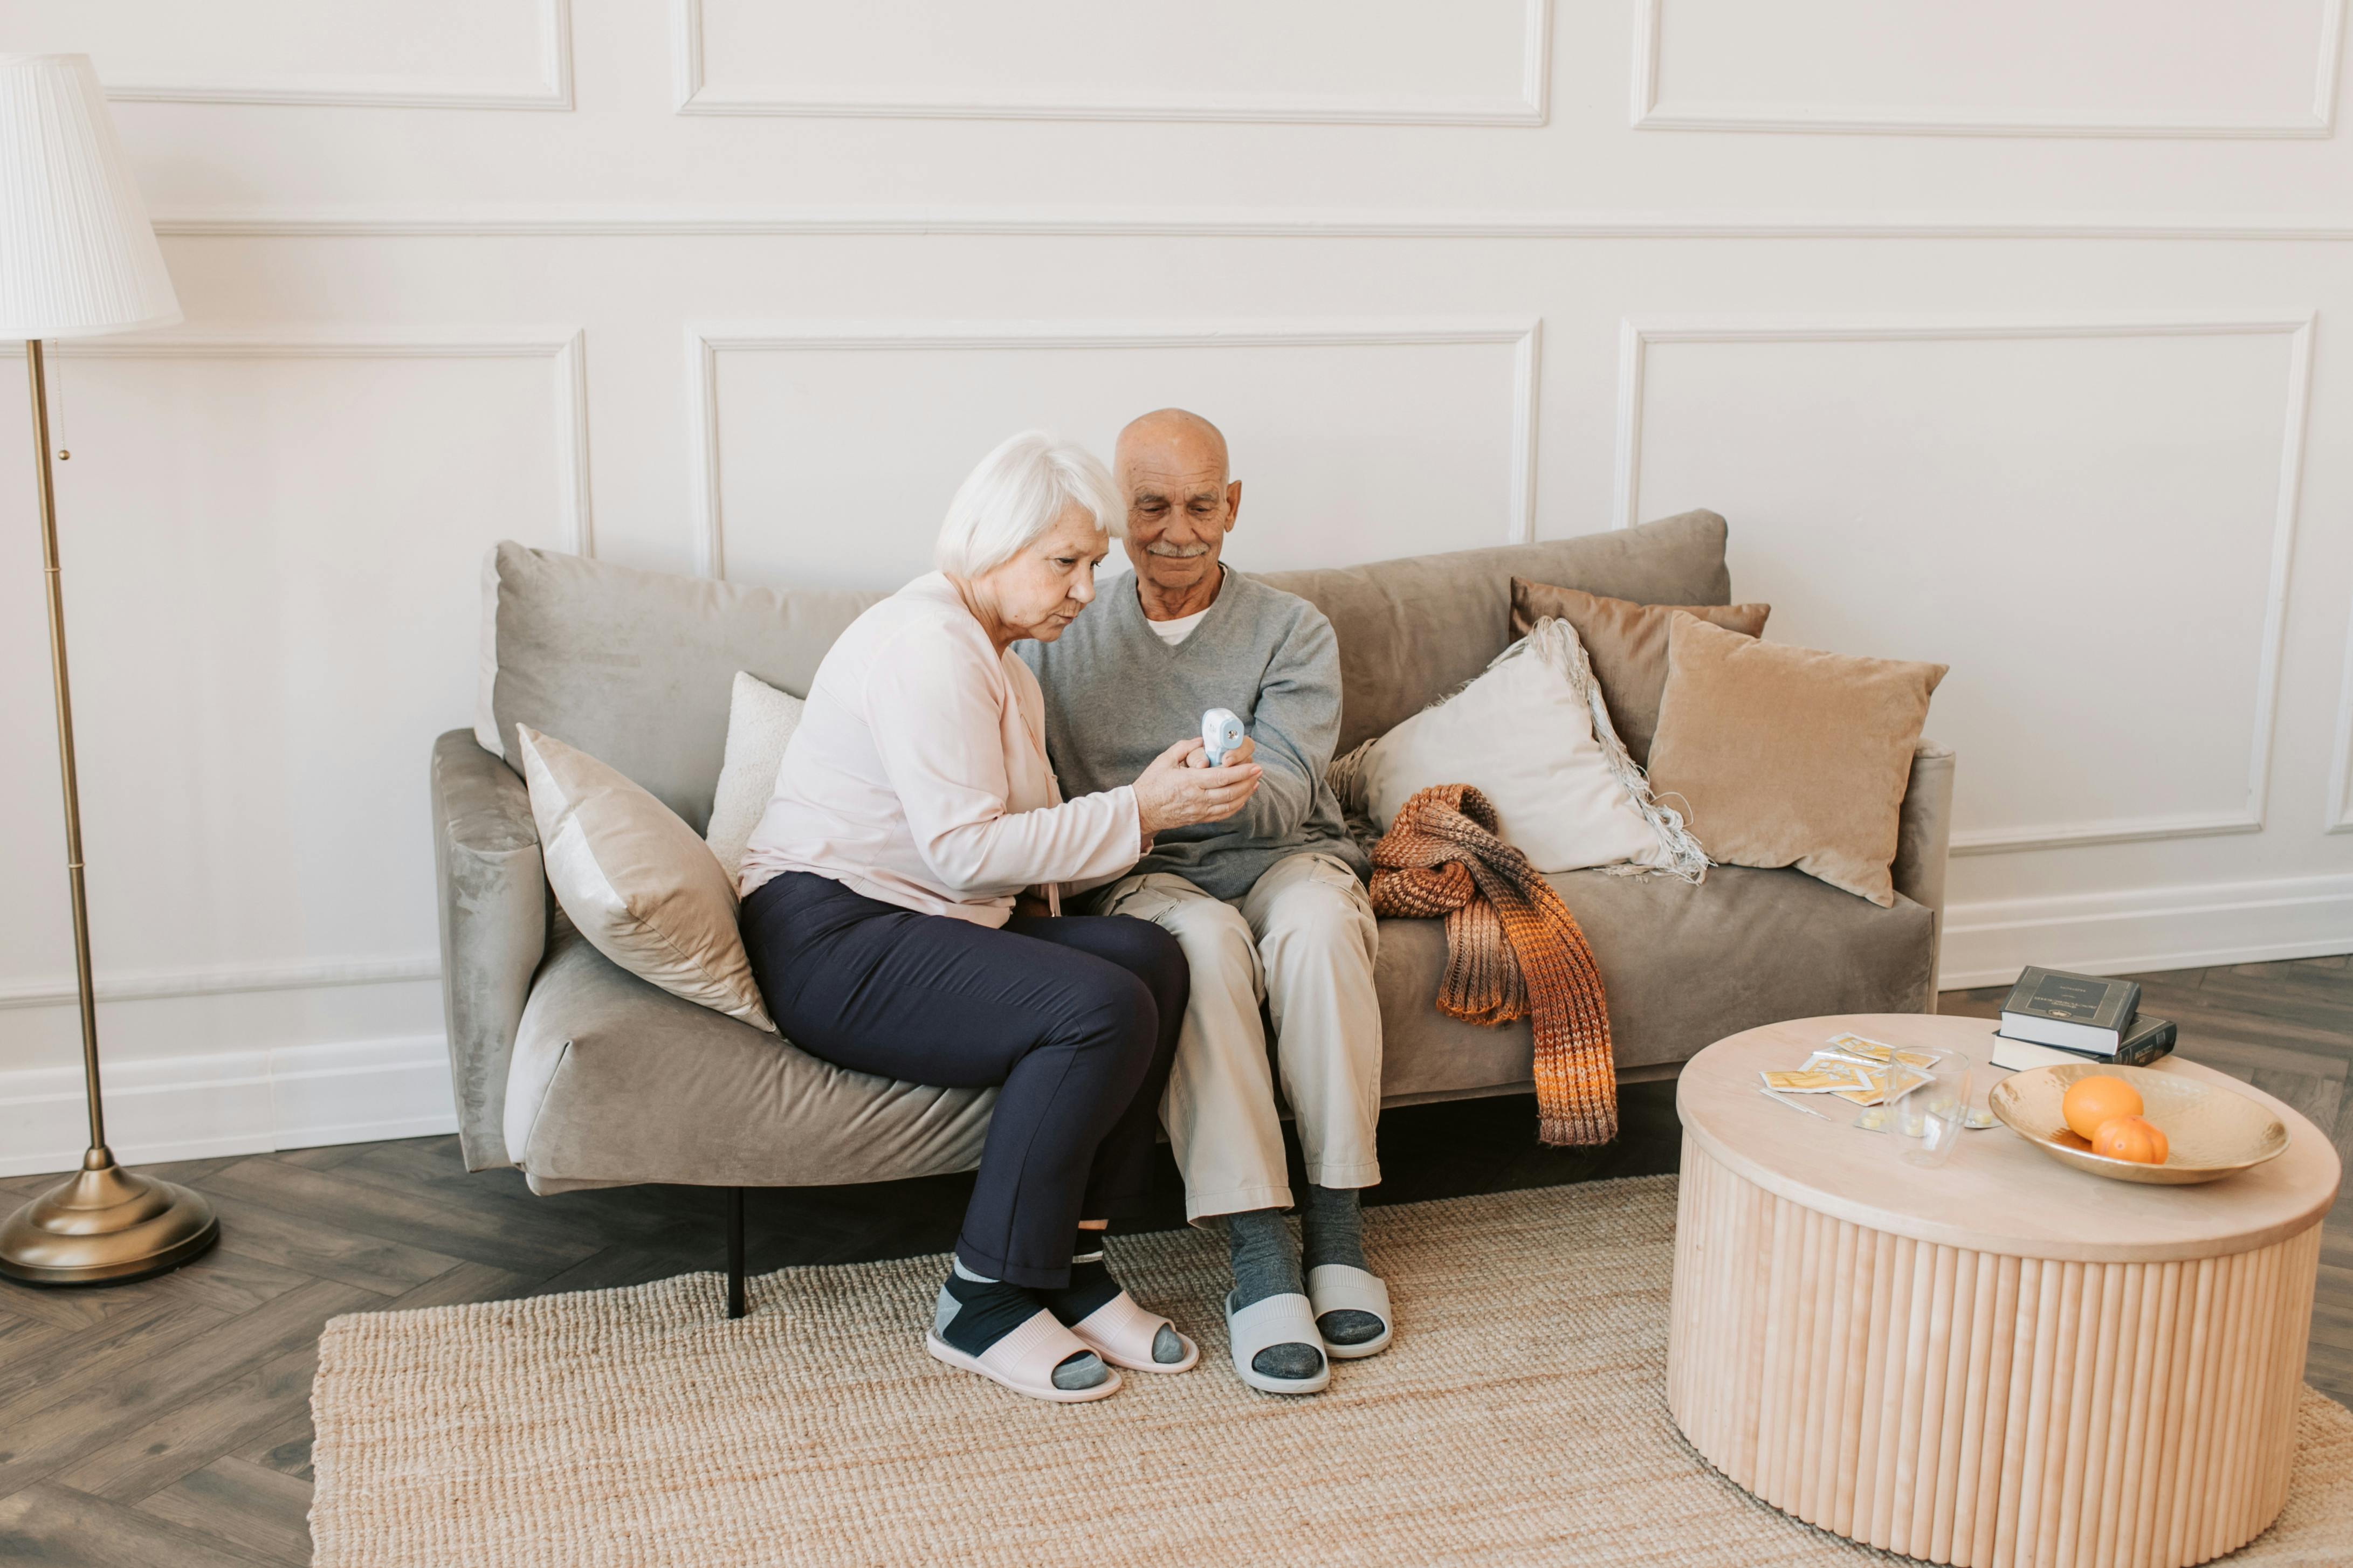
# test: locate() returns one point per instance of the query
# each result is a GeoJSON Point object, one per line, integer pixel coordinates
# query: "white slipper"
{"type": "Point", "coordinates": [1122, 1333]}
{"type": "Point", "coordinates": [1338, 1288]}
{"type": "Point", "coordinates": [1277, 1321]}
{"type": "Point", "coordinates": [1024, 1360]}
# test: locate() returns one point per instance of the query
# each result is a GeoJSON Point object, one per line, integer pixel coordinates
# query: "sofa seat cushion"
{"type": "Point", "coordinates": [615, 1081]}
{"type": "Point", "coordinates": [1683, 966]}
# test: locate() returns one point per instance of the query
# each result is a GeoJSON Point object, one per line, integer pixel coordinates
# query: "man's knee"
{"type": "Point", "coordinates": [1217, 942]}
{"type": "Point", "coordinates": [1319, 917]}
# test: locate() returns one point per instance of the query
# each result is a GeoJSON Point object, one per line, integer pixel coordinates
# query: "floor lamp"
{"type": "Point", "coordinates": [78, 258]}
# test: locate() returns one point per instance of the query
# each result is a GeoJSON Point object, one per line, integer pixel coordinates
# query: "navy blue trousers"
{"type": "Point", "coordinates": [1073, 1020]}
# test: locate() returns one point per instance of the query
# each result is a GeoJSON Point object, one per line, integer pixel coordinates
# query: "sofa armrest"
{"type": "Point", "coordinates": [1924, 839]}
{"type": "Point", "coordinates": [491, 891]}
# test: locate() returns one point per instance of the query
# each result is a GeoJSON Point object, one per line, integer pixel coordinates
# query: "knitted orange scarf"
{"type": "Point", "coordinates": [1511, 948]}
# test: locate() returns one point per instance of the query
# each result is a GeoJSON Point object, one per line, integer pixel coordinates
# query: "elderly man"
{"type": "Point", "coordinates": [1268, 905]}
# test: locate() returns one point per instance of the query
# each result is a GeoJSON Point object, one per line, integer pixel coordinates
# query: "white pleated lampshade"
{"type": "Point", "coordinates": [77, 256]}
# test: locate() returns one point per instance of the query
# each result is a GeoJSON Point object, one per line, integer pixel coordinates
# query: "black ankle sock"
{"type": "Point", "coordinates": [986, 1310]}
{"type": "Point", "coordinates": [1090, 1283]}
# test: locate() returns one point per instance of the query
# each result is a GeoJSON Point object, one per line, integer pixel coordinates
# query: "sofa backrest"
{"type": "Point", "coordinates": [1410, 631]}
{"type": "Point", "coordinates": [634, 668]}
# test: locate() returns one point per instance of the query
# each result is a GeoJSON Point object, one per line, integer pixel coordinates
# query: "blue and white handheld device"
{"type": "Point", "coordinates": [1221, 734]}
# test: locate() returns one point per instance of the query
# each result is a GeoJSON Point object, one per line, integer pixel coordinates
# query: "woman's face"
{"type": "Point", "coordinates": [1041, 591]}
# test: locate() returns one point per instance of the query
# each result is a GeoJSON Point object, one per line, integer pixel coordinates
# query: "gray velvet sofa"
{"type": "Point", "coordinates": [585, 1076]}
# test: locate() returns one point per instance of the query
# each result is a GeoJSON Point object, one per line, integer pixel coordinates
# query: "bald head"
{"type": "Point", "coordinates": [1172, 469]}
{"type": "Point", "coordinates": [1175, 436]}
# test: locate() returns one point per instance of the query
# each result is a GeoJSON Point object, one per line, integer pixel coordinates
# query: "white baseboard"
{"type": "Point", "coordinates": [236, 1102]}
{"type": "Point", "coordinates": [2152, 928]}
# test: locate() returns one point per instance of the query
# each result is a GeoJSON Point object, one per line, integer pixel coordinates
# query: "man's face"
{"type": "Point", "coordinates": [1180, 505]}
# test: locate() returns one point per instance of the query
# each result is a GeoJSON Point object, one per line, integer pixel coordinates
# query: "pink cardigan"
{"type": "Point", "coordinates": [919, 776]}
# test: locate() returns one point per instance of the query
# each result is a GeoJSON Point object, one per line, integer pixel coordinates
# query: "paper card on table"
{"type": "Point", "coordinates": [1808, 1080]}
{"type": "Point", "coordinates": [1877, 1051]}
{"type": "Point", "coordinates": [1885, 1084]}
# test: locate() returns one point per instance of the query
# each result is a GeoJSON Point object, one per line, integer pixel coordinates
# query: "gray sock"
{"type": "Point", "coordinates": [1336, 1234]}
{"type": "Point", "coordinates": [1266, 1263]}
{"type": "Point", "coordinates": [989, 1315]}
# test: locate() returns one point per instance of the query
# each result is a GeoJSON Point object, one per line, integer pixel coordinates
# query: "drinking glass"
{"type": "Point", "coordinates": [1929, 1119]}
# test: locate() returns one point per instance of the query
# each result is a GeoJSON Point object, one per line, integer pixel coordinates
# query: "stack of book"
{"type": "Point", "coordinates": [2052, 1018]}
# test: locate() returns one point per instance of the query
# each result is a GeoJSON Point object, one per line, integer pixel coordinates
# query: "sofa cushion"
{"type": "Point", "coordinates": [615, 1081]}
{"type": "Point", "coordinates": [1683, 966]}
{"type": "Point", "coordinates": [1412, 631]}
{"type": "Point", "coordinates": [1790, 756]}
{"type": "Point", "coordinates": [1628, 645]}
{"type": "Point", "coordinates": [636, 667]}
{"type": "Point", "coordinates": [636, 882]}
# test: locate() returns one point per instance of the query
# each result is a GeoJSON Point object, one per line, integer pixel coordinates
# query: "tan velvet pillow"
{"type": "Point", "coordinates": [1628, 645]}
{"type": "Point", "coordinates": [638, 882]}
{"type": "Point", "coordinates": [1790, 756]}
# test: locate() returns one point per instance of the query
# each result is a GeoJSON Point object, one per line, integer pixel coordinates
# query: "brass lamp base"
{"type": "Point", "coordinates": [105, 1224]}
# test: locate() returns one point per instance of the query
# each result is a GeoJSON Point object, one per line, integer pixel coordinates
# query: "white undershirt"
{"type": "Point", "coordinates": [1177, 631]}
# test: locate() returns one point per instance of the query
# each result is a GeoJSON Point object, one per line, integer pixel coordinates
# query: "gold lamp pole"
{"type": "Point", "coordinates": [79, 258]}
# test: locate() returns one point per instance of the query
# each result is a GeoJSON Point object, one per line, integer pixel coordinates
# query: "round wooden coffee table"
{"type": "Point", "coordinates": [2000, 1362]}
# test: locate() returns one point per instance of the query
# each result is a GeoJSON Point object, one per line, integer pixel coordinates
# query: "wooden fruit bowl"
{"type": "Point", "coordinates": [2212, 1132]}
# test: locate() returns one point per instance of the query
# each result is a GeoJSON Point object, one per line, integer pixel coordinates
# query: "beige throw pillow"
{"type": "Point", "coordinates": [636, 881]}
{"type": "Point", "coordinates": [760, 724]}
{"type": "Point", "coordinates": [1790, 756]}
{"type": "Point", "coordinates": [1533, 735]}
{"type": "Point", "coordinates": [1628, 645]}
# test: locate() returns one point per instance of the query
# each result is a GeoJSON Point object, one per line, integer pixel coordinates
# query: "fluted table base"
{"type": "Point", "coordinates": [1978, 1408]}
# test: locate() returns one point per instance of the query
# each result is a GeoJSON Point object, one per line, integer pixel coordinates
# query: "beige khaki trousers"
{"type": "Point", "coordinates": [1302, 941]}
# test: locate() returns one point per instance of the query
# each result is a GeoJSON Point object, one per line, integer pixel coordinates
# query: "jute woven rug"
{"type": "Point", "coordinates": [1518, 1419]}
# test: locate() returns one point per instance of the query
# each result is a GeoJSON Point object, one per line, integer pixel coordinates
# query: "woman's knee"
{"type": "Point", "coordinates": [1155, 957]}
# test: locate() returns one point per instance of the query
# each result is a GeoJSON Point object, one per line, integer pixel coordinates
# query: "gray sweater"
{"type": "Point", "coordinates": [1116, 696]}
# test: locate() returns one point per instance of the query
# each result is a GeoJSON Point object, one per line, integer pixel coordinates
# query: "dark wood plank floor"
{"type": "Point", "coordinates": [168, 1421]}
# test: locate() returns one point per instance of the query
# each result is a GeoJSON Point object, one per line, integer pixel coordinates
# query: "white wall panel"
{"type": "Point", "coordinates": [479, 53]}
{"type": "Point", "coordinates": [2254, 68]}
{"type": "Point", "coordinates": [832, 452]}
{"type": "Point", "coordinates": [2091, 521]}
{"type": "Point", "coordinates": [272, 546]}
{"type": "Point", "coordinates": [1475, 61]}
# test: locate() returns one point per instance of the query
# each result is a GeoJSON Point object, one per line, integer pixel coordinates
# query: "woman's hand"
{"type": "Point", "coordinates": [1173, 792]}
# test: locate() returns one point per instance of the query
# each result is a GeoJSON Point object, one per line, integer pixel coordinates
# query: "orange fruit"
{"type": "Point", "coordinates": [2130, 1137]}
{"type": "Point", "coordinates": [2098, 1099]}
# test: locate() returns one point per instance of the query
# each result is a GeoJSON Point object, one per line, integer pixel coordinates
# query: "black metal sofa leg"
{"type": "Point", "coordinates": [734, 1252]}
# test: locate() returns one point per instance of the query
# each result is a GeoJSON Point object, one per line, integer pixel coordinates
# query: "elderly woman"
{"type": "Point", "coordinates": [903, 913]}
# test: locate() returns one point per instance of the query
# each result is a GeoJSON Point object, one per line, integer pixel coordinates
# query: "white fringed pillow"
{"type": "Point", "coordinates": [637, 881]}
{"type": "Point", "coordinates": [760, 724]}
{"type": "Point", "coordinates": [1534, 735]}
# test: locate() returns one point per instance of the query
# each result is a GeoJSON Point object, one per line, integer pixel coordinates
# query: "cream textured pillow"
{"type": "Point", "coordinates": [1788, 757]}
{"type": "Point", "coordinates": [1531, 733]}
{"type": "Point", "coordinates": [636, 881]}
{"type": "Point", "coordinates": [760, 723]}
{"type": "Point", "coordinates": [1628, 645]}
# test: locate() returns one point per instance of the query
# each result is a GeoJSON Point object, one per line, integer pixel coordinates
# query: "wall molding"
{"type": "Point", "coordinates": [2337, 814]}
{"type": "Point", "coordinates": [1221, 223]}
{"type": "Point", "coordinates": [234, 1103]}
{"type": "Point", "coordinates": [551, 88]}
{"type": "Point", "coordinates": [692, 94]}
{"type": "Point", "coordinates": [226, 979]}
{"type": "Point", "coordinates": [565, 348]}
{"type": "Point", "coordinates": [1818, 119]}
{"type": "Point", "coordinates": [2147, 929]}
{"type": "Point", "coordinates": [1636, 336]}
{"type": "Point", "coordinates": [705, 342]}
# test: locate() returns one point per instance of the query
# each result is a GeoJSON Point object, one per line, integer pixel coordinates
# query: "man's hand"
{"type": "Point", "coordinates": [1199, 757]}
{"type": "Point", "coordinates": [1028, 902]}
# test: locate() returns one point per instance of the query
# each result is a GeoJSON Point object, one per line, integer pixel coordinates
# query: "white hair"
{"type": "Point", "coordinates": [1016, 495]}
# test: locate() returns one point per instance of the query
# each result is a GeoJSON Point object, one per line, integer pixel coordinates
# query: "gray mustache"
{"type": "Point", "coordinates": [1180, 552]}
